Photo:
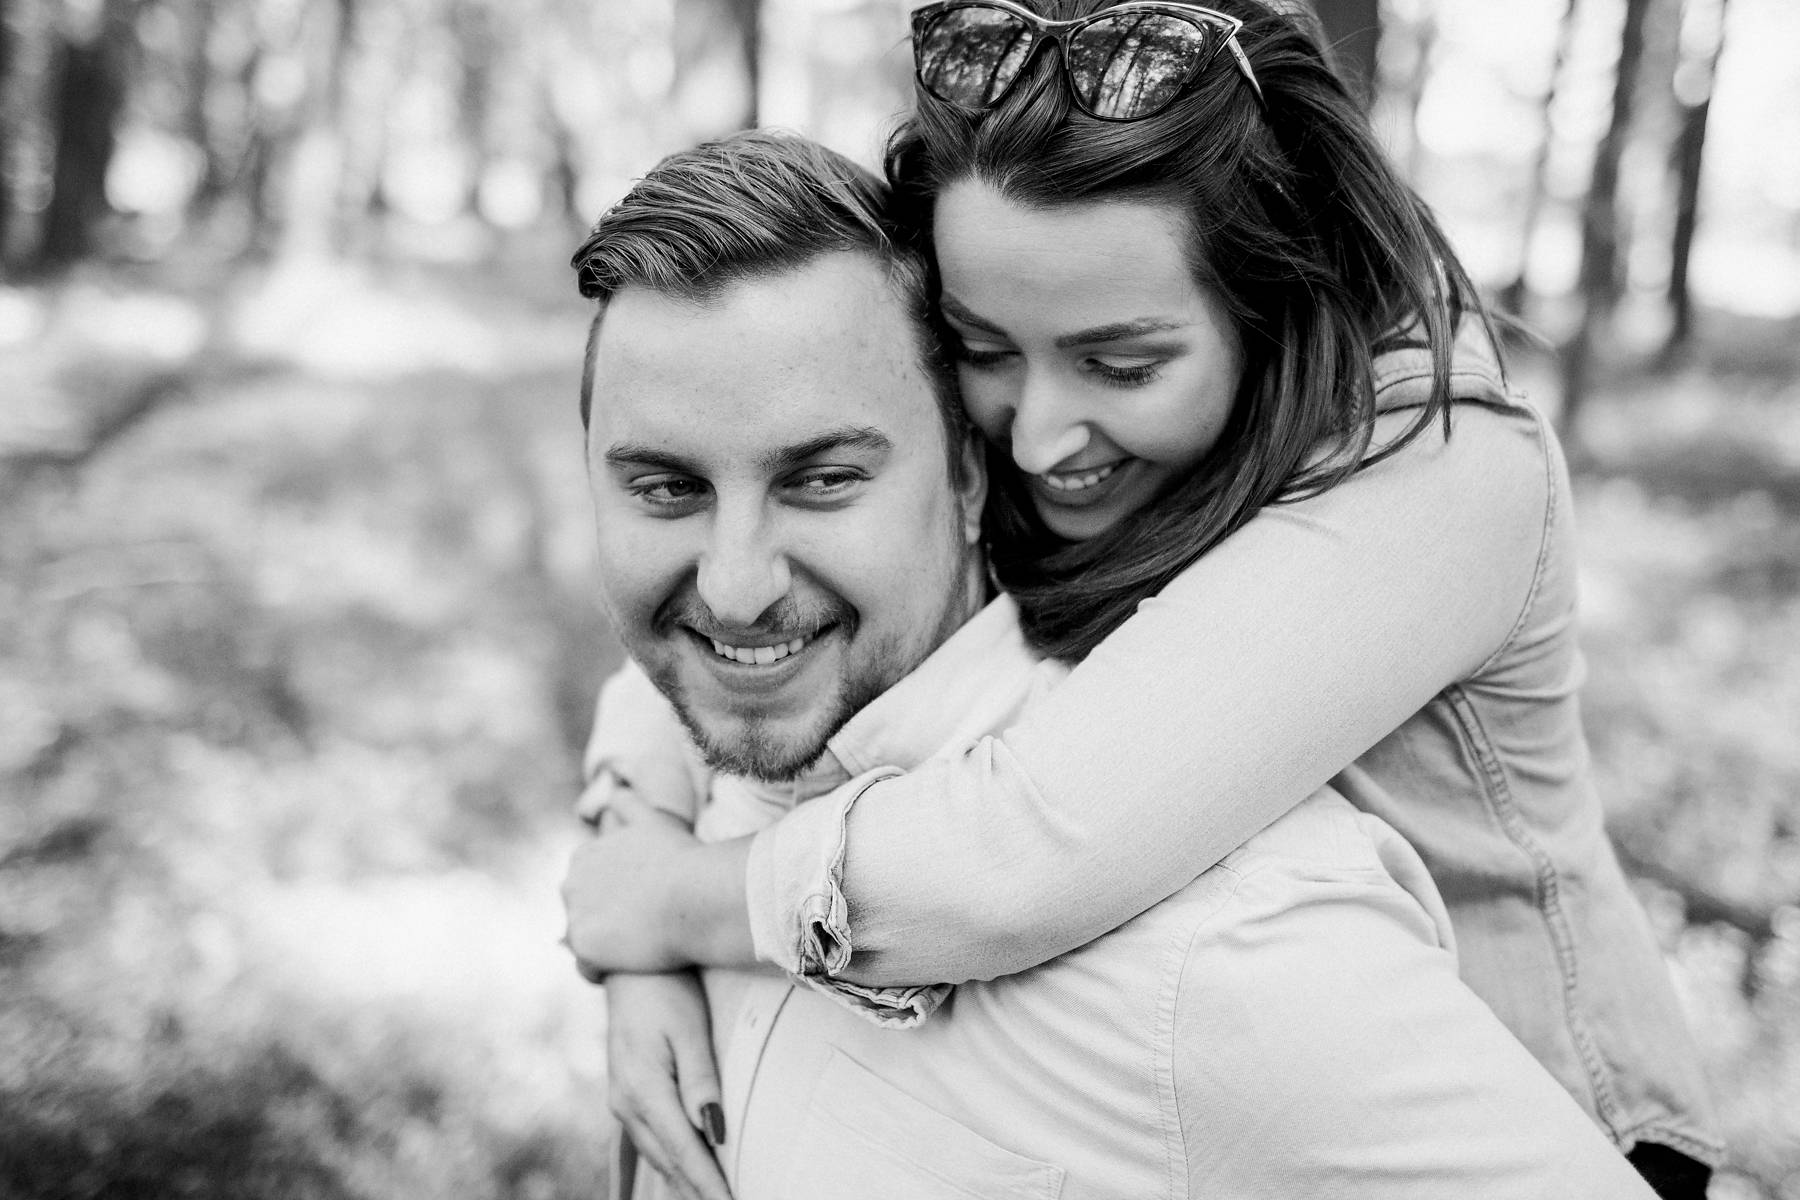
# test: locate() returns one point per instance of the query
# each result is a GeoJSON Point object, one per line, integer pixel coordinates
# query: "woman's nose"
{"type": "Point", "coordinates": [1046, 429]}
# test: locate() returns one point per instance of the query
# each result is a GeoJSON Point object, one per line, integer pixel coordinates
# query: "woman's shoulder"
{"type": "Point", "coordinates": [1485, 465]}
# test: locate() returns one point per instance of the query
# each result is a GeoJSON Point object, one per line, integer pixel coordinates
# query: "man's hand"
{"type": "Point", "coordinates": [646, 896]}
{"type": "Point", "coordinates": [662, 1082]}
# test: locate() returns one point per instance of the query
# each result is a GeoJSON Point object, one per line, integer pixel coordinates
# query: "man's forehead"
{"type": "Point", "coordinates": [768, 362]}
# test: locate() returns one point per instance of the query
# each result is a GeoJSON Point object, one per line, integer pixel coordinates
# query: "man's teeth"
{"type": "Point", "coordinates": [1076, 483]}
{"type": "Point", "coordinates": [757, 655]}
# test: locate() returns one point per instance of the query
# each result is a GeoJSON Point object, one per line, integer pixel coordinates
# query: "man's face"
{"type": "Point", "coordinates": [780, 540]}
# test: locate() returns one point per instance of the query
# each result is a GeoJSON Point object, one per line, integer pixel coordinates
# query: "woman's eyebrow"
{"type": "Point", "coordinates": [1118, 331]}
{"type": "Point", "coordinates": [950, 306]}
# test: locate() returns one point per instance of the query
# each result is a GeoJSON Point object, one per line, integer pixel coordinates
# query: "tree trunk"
{"type": "Point", "coordinates": [1512, 296]}
{"type": "Point", "coordinates": [1353, 37]}
{"type": "Point", "coordinates": [478, 48]}
{"type": "Point", "coordinates": [1694, 90]}
{"type": "Point", "coordinates": [86, 98]}
{"type": "Point", "coordinates": [196, 116]}
{"type": "Point", "coordinates": [1598, 279]}
{"type": "Point", "coordinates": [708, 30]}
{"type": "Point", "coordinates": [8, 61]}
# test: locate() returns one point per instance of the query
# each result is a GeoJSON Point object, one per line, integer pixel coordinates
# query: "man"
{"type": "Point", "coordinates": [788, 511]}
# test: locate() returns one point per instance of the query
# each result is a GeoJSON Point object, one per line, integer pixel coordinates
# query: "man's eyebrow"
{"type": "Point", "coordinates": [1117, 331]}
{"type": "Point", "coordinates": [633, 454]}
{"type": "Point", "coordinates": [845, 437]}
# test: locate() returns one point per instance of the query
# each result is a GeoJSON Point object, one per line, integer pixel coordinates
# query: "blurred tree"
{"type": "Point", "coordinates": [89, 73]}
{"type": "Point", "coordinates": [1702, 42]}
{"type": "Point", "coordinates": [199, 124]}
{"type": "Point", "coordinates": [1353, 32]}
{"type": "Point", "coordinates": [714, 39]}
{"type": "Point", "coordinates": [1598, 279]}
{"type": "Point", "coordinates": [479, 51]}
{"type": "Point", "coordinates": [1512, 295]}
{"type": "Point", "coordinates": [7, 69]}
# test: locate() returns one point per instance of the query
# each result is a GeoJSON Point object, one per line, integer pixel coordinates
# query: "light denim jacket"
{"type": "Point", "coordinates": [1415, 622]}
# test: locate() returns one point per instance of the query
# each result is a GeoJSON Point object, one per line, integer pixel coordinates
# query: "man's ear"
{"type": "Point", "coordinates": [971, 493]}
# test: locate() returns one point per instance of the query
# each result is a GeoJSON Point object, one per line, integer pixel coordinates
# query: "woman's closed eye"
{"type": "Point", "coordinates": [1133, 373]}
{"type": "Point", "coordinates": [978, 353]}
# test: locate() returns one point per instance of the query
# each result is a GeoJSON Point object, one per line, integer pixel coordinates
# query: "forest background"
{"type": "Point", "coordinates": [298, 639]}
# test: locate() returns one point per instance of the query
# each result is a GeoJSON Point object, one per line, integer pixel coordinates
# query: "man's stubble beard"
{"type": "Point", "coordinates": [750, 750]}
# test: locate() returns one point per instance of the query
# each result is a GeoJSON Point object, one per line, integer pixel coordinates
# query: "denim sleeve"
{"type": "Point", "coordinates": [817, 947]}
{"type": "Point", "coordinates": [638, 742]}
{"type": "Point", "coordinates": [1267, 667]}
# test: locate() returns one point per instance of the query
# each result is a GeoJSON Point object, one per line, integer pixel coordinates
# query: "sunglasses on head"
{"type": "Point", "coordinates": [1121, 64]}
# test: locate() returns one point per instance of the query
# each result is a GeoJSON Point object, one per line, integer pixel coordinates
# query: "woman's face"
{"type": "Point", "coordinates": [1087, 347]}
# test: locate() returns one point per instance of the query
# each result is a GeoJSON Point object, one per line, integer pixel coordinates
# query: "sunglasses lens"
{"type": "Point", "coordinates": [971, 55]}
{"type": "Point", "coordinates": [1134, 64]}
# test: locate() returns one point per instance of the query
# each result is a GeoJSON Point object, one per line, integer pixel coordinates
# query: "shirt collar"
{"type": "Point", "coordinates": [1403, 375]}
{"type": "Point", "coordinates": [978, 681]}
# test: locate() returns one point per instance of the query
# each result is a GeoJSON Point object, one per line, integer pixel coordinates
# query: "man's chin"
{"type": "Point", "coordinates": [756, 748]}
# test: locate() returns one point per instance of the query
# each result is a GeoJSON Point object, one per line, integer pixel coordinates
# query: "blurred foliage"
{"type": "Point", "coordinates": [294, 671]}
{"type": "Point", "coordinates": [1688, 500]}
{"type": "Point", "coordinates": [297, 642]}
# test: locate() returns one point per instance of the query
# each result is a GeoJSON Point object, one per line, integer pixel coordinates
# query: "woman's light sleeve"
{"type": "Point", "coordinates": [1270, 665]}
{"type": "Point", "coordinates": [638, 742]}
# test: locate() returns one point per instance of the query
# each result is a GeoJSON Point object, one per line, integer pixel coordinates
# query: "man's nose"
{"type": "Point", "coordinates": [744, 569]}
{"type": "Point", "coordinates": [1046, 428]}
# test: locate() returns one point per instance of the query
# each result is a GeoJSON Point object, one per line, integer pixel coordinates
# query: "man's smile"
{"type": "Point", "coordinates": [746, 665]}
{"type": "Point", "coordinates": [758, 655]}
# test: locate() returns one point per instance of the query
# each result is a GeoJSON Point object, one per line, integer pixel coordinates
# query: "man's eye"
{"type": "Point", "coordinates": [827, 483]}
{"type": "Point", "coordinates": [668, 493]}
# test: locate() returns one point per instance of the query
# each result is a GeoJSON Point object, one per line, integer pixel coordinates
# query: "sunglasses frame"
{"type": "Point", "coordinates": [1046, 31]}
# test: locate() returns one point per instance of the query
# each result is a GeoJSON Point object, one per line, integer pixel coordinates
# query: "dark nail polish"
{"type": "Point", "coordinates": [714, 1116]}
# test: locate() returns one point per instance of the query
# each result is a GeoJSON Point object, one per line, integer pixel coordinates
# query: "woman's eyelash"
{"type": "Point", "coordinates": [978, 358]}
{"type": "Point", "coordinates": [1126, 376]}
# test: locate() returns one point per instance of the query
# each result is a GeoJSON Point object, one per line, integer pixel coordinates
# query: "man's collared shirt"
{"type": "Point", "coordinates": [1289, 1024]}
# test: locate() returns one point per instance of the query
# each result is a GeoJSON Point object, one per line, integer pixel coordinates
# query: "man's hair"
{"type": "Point", "coordinates": [752, 205]}
{"type": "Point", "coordinates": [1319, 250]}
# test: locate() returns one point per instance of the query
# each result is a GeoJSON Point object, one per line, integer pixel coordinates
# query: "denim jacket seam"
{"type": "Point", "coordinates": [1658, 1129]}
{"type": "Point", "coordinates": [1498, 793]}
{"type": "Point", "coordinates": [1543, 553]}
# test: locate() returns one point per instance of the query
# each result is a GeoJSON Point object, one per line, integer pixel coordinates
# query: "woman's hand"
{"type": "Point", "coordinates": [662, 1083]}
{"type": "Point", "coordinates": [646, 896]}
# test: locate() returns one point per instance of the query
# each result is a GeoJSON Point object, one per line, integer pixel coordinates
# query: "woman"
{"type": "Point", "coordinates": [1256, 472]}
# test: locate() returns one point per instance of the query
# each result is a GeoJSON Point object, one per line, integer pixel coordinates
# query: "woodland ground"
{"type": "Point", "coordinates": [297, 644]}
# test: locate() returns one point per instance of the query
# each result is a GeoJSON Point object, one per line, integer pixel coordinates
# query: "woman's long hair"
{"type": "Point", "coordinates": [1322, 254]}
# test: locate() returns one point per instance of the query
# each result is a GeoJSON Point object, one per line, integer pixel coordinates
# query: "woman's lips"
{"type": "Point", "coordinates": [1081, 487]}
